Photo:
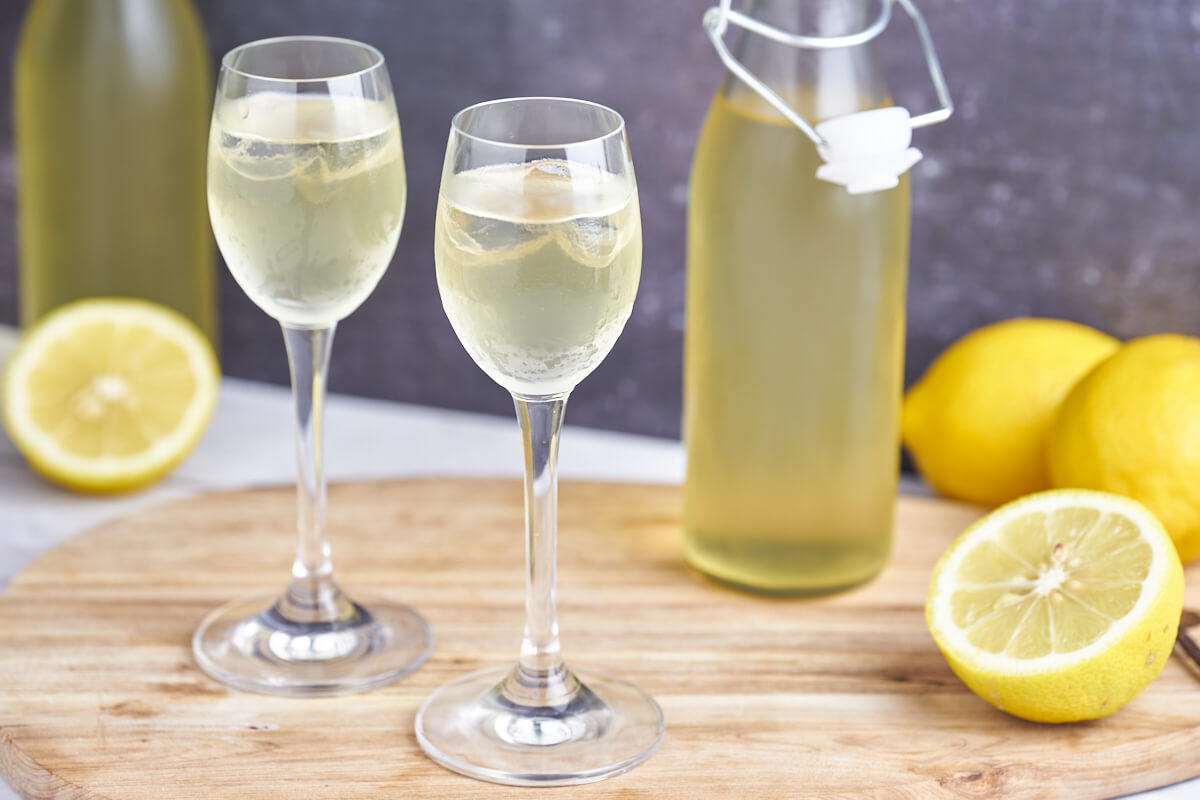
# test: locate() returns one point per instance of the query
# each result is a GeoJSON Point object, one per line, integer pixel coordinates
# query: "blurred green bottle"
{"type": "Point", "coordinates": [112, 102]}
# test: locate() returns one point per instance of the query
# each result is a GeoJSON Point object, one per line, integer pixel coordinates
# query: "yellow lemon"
{"type": "Point", "coordinates": [109, 394]}
{"type": "Point", "coordinates": [1060, 606]}
{"type": "Point", "coordinates": [1132, 426]}
{"type": "Point", "coordinates": [976, 422]}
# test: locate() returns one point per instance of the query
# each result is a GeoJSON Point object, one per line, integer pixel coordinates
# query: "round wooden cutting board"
{"type": "Point", "coordinates": [837, 697]}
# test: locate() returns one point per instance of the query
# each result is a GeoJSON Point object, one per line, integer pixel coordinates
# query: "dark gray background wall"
{"type": "Point", "coordinates": [1068, 183]}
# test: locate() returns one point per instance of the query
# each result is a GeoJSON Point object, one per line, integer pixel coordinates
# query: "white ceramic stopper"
{"type": "Point", "coordinates": [867, 151]}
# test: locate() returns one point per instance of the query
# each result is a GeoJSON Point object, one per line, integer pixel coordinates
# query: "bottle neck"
{"type": "Point", "coordinates": [820, 84]}
{"type": "Point", "coordinates": [811, 17]}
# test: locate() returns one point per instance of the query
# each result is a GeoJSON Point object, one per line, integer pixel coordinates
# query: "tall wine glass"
{"type": "Point", "coordinates": [539, 249]}
{"type": "Point", "coordinates": [306, 191]}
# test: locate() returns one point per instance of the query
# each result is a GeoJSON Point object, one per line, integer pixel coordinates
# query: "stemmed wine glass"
{"type": "Point", "coordinates": [306, 192]}
{"type": "Point", "coordinates": [538, 248]}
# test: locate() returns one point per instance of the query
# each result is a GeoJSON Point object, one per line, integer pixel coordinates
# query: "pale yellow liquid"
{"type": "Point", "coordinates": [793, 369]}
{"type": "Point", "coordinates": [111, 106]}
{"type": "Point", "coordinates": [306, 203]}
{"type": "Point", "coordinates": [538, 265]}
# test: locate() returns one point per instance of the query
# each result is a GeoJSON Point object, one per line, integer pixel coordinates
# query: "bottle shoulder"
{"type": "Point", "coordinates": [101, 40]}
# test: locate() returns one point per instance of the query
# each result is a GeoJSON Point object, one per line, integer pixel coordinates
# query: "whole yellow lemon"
{"type": "Point", "coordinates": [1132, 426]}
{"type": "Point", "coordinates": [977, 420]}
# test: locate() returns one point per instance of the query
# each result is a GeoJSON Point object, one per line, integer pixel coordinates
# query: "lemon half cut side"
{"type": "Point", "coordinates": [109, 394]}
{"type": "Point", "coordinates": [1060, 606]}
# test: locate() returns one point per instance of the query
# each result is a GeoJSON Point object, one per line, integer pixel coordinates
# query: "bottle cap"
{"type": "Point", "coordinates": [867, 151]}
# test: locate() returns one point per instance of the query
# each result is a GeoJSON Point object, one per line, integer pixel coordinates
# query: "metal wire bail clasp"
{"type": "Point", "coordinates": [718, 19]}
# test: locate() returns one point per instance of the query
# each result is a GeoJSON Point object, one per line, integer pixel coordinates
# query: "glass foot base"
{"type": "Point", "coordinates": [249, 645]}
{"type": "Point", "coordinates": [608, 727]}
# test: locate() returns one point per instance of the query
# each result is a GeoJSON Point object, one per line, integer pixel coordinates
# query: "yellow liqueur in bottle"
{"type": "Point", "coordinates": [794, 361]}
{"type": "Point", "coordinates": [794, 343]}
{"type": "Point", "coordinates": [111, 120]}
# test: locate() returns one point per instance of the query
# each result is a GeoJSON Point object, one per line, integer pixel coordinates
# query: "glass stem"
{"type": "Point", "coordinates": [541, 678]}
{"type": "Point", "coordinates": [312, 596]}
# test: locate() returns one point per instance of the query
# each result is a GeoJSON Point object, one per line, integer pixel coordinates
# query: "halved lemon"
{"type": "Point", "coordinates": [108, 395]}
{"type": "Point", "coordinates": [1059, 606]}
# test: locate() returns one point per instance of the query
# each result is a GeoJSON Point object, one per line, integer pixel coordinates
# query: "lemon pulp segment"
{"type": "Point", "coordinates": [108, 394]}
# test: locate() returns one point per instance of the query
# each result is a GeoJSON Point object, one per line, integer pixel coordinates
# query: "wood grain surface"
{"type": "Point", "coordinates": [840, 697]}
